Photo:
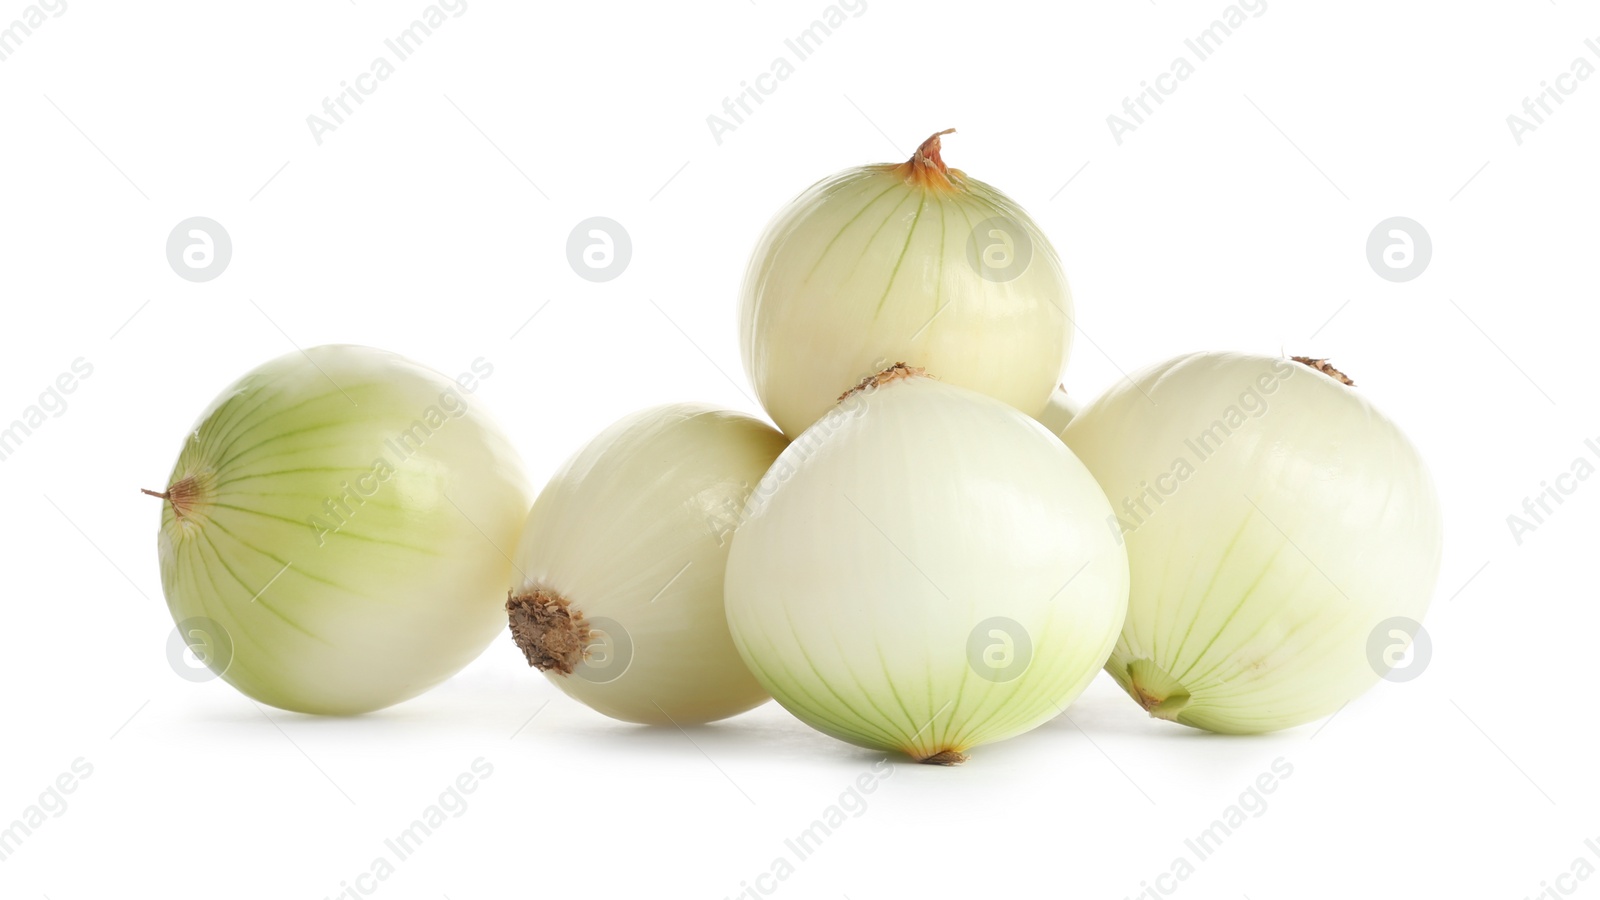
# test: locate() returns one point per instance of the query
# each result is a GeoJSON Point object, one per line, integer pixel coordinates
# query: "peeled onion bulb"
{"type": "Point", "coordinates": [1277, 524]}
{"type": "Point", "coordinates": [924, 570]}
{"type": "Point", "coordinates": [617, 595]}
{"type": "Point", "coordinates": [914, 262]}
{"type": "Point", "coordinates": [1060, 411]}
{"type": "Point", "coordinates": [330, 540]}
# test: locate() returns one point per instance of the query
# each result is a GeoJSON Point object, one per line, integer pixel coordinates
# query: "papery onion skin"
{"type": "Point", "coordinates": [882, 541]}
{"type": "Point", "coordinates": [1263, 556]}
{"type": "Point", "coordinates": [907, 262]}
{"type": "Point", "coordinates": [336, 599]}
{"type": "Point", "coordinates": [634, 530]}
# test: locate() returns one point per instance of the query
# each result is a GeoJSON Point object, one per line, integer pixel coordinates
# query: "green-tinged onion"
{"type": "Point", "coordinates": [1274, 521]}
{"type": "Point", "coordinates": [334, 521]}
{"type": "Point", "coordinates": [924, 570]}
{"type": "Point", "coordinates": [914, 262]}
{"type": "Point", "coordinates": [618, 590]}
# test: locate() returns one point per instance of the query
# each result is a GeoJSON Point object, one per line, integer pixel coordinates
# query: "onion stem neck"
{"type": "Point", "coordinates": [550, 633]}
{"type": "Point", "coordinates": [897, 372]}
{"type": "Point", "coordinates": [1321, 365]}
{"type": "Point", "coordinates": [184, 495]}
{"type": "Point", "coordinates": [944, 758]}
{"type": "Point", "coordinates": [926, 168]}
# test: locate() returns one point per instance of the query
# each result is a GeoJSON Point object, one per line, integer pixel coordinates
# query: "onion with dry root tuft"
{"type": "Point", "coordinates": [617, 595]}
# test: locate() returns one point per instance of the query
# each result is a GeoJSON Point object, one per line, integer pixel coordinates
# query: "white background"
{"type": "Point", "coordinates": [1235, 218]}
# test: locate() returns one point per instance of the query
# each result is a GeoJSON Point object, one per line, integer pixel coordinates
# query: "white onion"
{"type": "Point", "coordinates": [924, 570]}
{"type": "Point", "coordinates": [336, 524]}
{"type": "Point", "coordinates": [914, 262]}
{"type": "Point", "coordinates": [1060, 411]}
{"type": "Point", "coordinates": [1274, 520]}
{"type": "Point", "coordinates": [618, 591]}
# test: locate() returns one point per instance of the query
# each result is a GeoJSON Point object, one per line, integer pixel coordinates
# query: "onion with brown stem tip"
{"type": "Point", "coordinates": [913, 261]}
{"type": "Point", "coordinates": [330, 533]}
{"type": "Point", "coordinates": [1281, 533]}
{"type": "Point", "coordinates": [925, 570]}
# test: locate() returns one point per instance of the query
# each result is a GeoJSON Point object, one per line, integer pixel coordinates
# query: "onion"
{"type": "Point", "coordinates": [1274, 519]}
{"type": "Point", "coordinates": [924, 570]}
{"type": "Point", "coordinates": [618, 597]}
{"type": "Point", "coordinates": [1060, 411]}
{"type": "Point", "coordinates": [335, 520]}
{"type": "Point", "coordinates": [913, 262]}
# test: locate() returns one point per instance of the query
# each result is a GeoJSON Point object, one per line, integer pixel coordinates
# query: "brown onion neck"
{"type": "Point", "coordinates": [897, 372]}
{"type": "Point", "coordinates": [926, 168]}
{"type": "Point", "coordinates": [184, 495]}
{"type": "Point", "coordinates": [1321, 365]}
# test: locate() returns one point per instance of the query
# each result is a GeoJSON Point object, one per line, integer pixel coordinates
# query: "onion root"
{"type": "Point", "coordinates": [550, 633]}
